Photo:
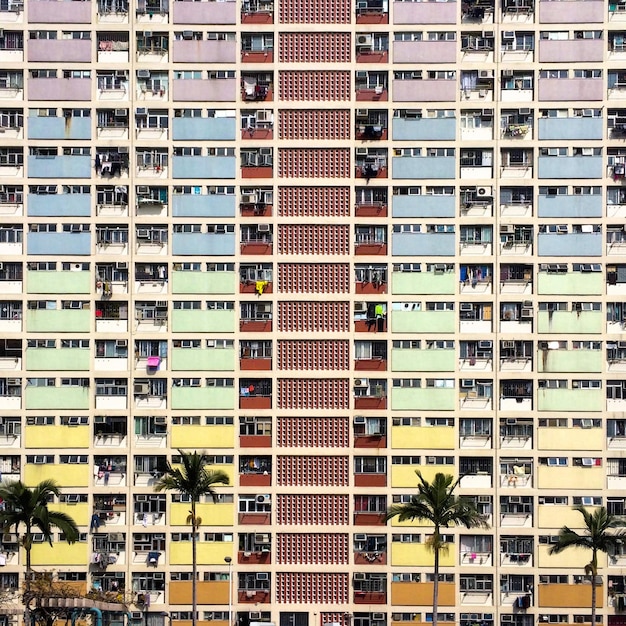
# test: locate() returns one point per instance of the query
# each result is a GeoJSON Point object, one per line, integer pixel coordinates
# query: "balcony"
{"type": "Point", "coordinates": [198, 321]}
{"type": "Point", "coordinates": [569, 244]}
{"type": "Point", "coordinates": [204, 89]}
{"type": "Point", "coordinates": [370, 393]}
{"type": "Point", "coordinates": [209, 243]}
{"type": "Point", "coordinates": [203, 205]}
{"type": "Point", "coordinates": [49, 89]}
{"type": "Point", "coordinates": [59, 166]}
{"type": "Point", "coordinates": [204, 51]}
{"type": "Point", "coordinates": [209, 396]}
{"type": "Point", "coordinates": [516, 395]}
{"type": "Point", "coordinates": [409, 206]}
{"type": "Point", "coordinates": [425, 90]}
{"type": "Point", "coordinates": [568, 89]}
{"type": "Point", "coordinates": [257, 12]}
{"type": "Point", "coordinates": [425, 359]}
{"type": "Point", "coordinates": [257, 48]}
{"type": "Point", "coordinates": [255, 317]}
{"type": "Point", "coordinates": [426, 399]}
{"type": "Point", "coordinates": [423, 128]}
{"type": "Point", "coordinates": [204, 166]}
{"type": "Point", "coordinates": [569, 400]}
{"type": "Point", "coordinates": [51, 12]}
{"type": "Point", "coordinates": [417, 244]}
{"type": "Point", "coordinates": [428, 52]}
{"type": "Point", "coordinates": [202, 13]}
{"type": "Point", "coordinates": [407, 317]}
{"type": "Point", "coordinates": [58, 321]}
{"type": "Point", "coordinates": [561, 206]}
{"type": "Point", "coordinates": [372, 11]}
{"type": "Point", "coordinates": [202, 282]}
{"type": "Point", "coordinates": [578, 12]}
{"type": "Point", "coordinates": [424, 12]}
{"type": "Point", "coordinates": [59, 50]}
{"type": "Point", "coordinates": [570, 167]}
{"type": "Point", "coordinates": [423, 167]}
{"type": "Point", "coordinates": [204, 128]}
{"type": "Point", "coordinates": [569, 128]}
{"type": "Point", "coordinates": [370, 356]}
{"type": "Point", "coordinates": [66, 127]}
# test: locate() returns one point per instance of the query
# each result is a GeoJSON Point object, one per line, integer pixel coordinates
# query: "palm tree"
{"type": "Point", "coordinates": [436, 503]}
{"type": "Point", "coordinates": [192, 479]}
{"type": "Point", "coordinates": [26, 509]}
{"type": "Point", "coordinates": [600, 535]}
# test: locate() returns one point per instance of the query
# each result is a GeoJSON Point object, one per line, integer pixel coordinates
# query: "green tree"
{"type": "Point", "coordinates": [26, 509]}
{"type": "Point", "coordinates": [601, 534]}
{"type": "Point", "coordinates": [435, 503]}
{"type": "Point", "coordinates": [194, 480]}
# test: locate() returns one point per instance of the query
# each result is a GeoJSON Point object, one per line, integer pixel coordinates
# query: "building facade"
{"type": "Point", "coordinates": [329, 242]}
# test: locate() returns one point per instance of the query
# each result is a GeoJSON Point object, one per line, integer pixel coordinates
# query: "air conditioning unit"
{"type": "Point", "coordinates": [141, 389]}
{"type": "Point", "coordinates": [160, 419]}
{"type": "Point", "coordinates": [526, 312]}
{"type": "Point", "coordinates": [483, 499]}
{"type": "Point", "coordinates": [161, 304]}
{"type": "Point", "coordinates": [507, 73]}
{"type": "Point", "coordinates": [187, 34]}
{"type": "Point", "coordinates": [121, 265]}
{"type": "Point", "coordinates": [364, 40]}
{"type": "Point", "coordinates": [360, 307]}
{"type": "Point", "coordinates": [506, 618]}
{"type": "Point", "coordinates": [378, 616]}
{"type": "Point", "coordinates": [361, 383]}
{"type": "Point", "coordinates": [515, 499]}
{"type": "Point", "coordinates": [249, 198]}
{"type": "Point", "coordinates": [116, 537]}
{"type": "Point", "coordinates": [466, 306]}
{"type": "Point", "coordinates": [14, 382]}
{"type": "Point", "coordinates": [359, 419]}
{"type": "Point", "coordinates": [100, 419]}
{"type": "Point", "coordinates": [485, 74]}
{"type": "Point", "coordinates": [467, 382]}
{"type": "Point", "coordinates": [359, 576]}
{"type": "Point", "coordinates": [143, 189]}
{"type": "Point", "coordinates": [507, 229]}
{"type": "Point", "coordinates": [524, 111]}
{"type": "Point", "coordinates": [143, 233]}
{"type": "Point", "coordinates": [143, 73]}
{"type": "Point", "coordinates": [362, 151]}
{"type": "Point", "coordinates": [508, 34]}
{"type": "Point", "coordinates": [264, 499]}
{"type": "Point", "coordinates": [264, 228]}
{"type": "Point", "coordinates": [123, 150]}
{"type": "Point", "coordinates": [361, 74]}
{"type": "Point", "coordinates": [141, 111]}
{"type": "Point", "coordinates": [261, 538]}
{"type": "Point", "coordinates": [255, 615]}
{"type": "Point", "coordinates": [121, 113]}
{"type": "Point", "coordinates": [362, 113]}
{"type": "Point", "coordinates": [487, 113]}
{"type": "Point", "coordinates": [136, 615]}
{"type": "Point", "coordinates": [484, 191]}
{"type": "Point", "coordinates": [360, 537]}
{"type": "Point", "coordinates": [38, 537]}
{"type": "Point", "coordinates": [262, 576]}
{"type": "Point", "coordinates": [484, 345]}
{"type": "Point", "coordinates": [264, 116]}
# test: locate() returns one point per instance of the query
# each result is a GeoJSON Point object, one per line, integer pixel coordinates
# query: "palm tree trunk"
{"type": "Point", "coordinates": [594, 571]}
{"type": "Point", "coordinates": [436, 581]}
{"type": "Point", "coordinates": [194, 567]}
